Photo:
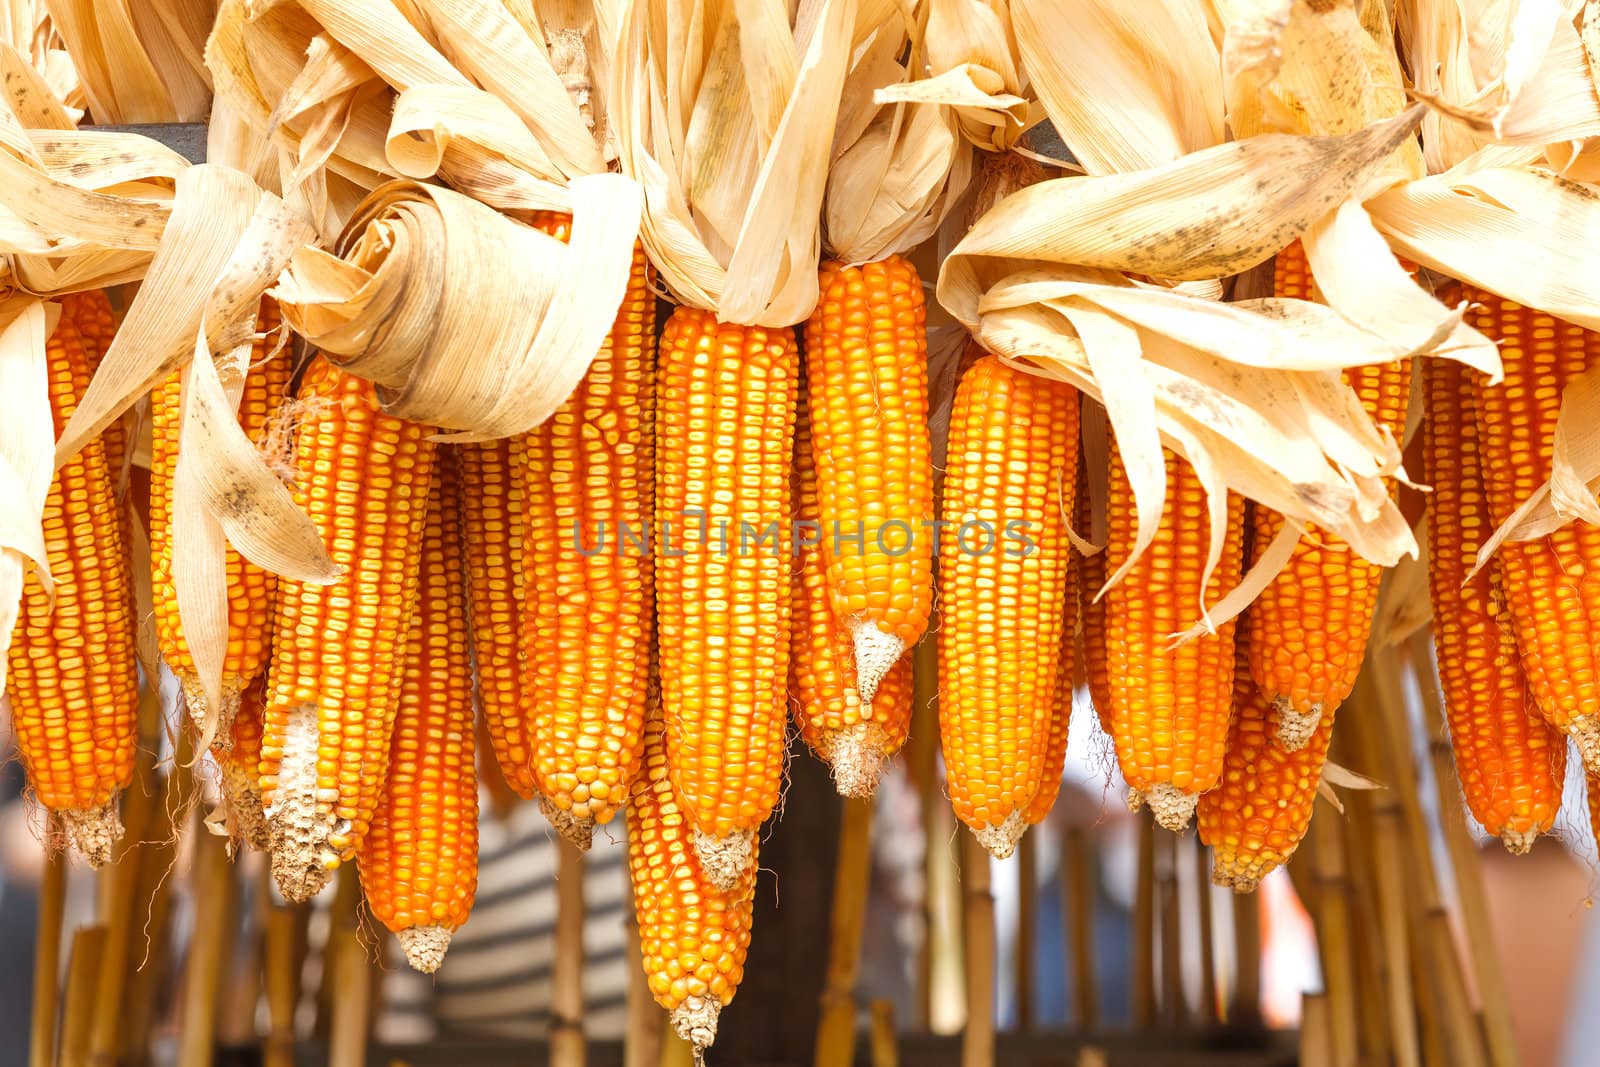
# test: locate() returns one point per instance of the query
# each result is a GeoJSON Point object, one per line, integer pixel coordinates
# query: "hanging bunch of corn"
{"type": "Point", "coordinates": [1510, 760]}
{"type": "Point", "coordinates": [250, 588]}
{"type": "Point", "coordinates": [854, 735]}
{"type": "Point", "coordinates": [71, 675]}
{"type": "Point", "coordinates": [1005, 627]}
{"type": "Point", "coordinates": [419, 862]}
{"type": "Point", "coordinates": [587, 485]}
{"type": "Point", "coordinates": [363, 477]}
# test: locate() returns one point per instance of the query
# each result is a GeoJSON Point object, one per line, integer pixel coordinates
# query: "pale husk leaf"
{"type": "Point", "coordinates": [26, 432]}
{"type": "Point", "coordinates": [1404, 603]}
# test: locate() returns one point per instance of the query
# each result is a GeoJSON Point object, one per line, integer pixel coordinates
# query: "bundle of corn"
{"type": "Point", "coordinates": [419, 862]}
{"type": "Point", "coordinates": [586, 478]}
{"type": "Point", "coordinates": [363, 476]}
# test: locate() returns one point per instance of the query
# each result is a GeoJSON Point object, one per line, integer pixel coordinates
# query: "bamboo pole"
{"type": "Point", "coordinates": [1461, 1031]}
{"type": "Point", "coordinates": [347, 976]}
{"type": "Point", "coordinates": [79, 1010]}
{"type": "Point", "coordinates": [1208, 950]}
{"type": "Point", "coordinates": [1078, 882]}
{"type": "Point", "coordinates": [236, 1022]}
{"type": "Point", "coordinates": [1464, 859]}
{"type": "Point", "coordinates": [977, 1041]}
{"type": "Point", "coordinates": [922, 762]}
{"type": "Point", "coordinates": [1174, 1012]}
{"type": "Point", "coordinates": [885, 1049]}
{"type": "Point", "coordinates": [567, 1047]}
{"type": "Point", "coordinates": [47, 950]}
{"type": "Point", "coordinates": [641, 1047]}
{"type": "Point", "coordinates": [1144, 929]}
{"type": "Point", "coordinates": [1027, 928]}
{"type": "Point", "coordinates": [1367, 938]}
{"type": "Point", "coordinates": [1316, 1029]}
{"type": "Point", "coordinates": [280, 961]}
{"type": "Point", "coordinates": [1244, 1001]}
{"type": "Point", "coordinates": [1333, 940]}
{"type": "Point", "coordinates": [210, 945]}
{"type": "Point", "coordinates": [836, 1027]}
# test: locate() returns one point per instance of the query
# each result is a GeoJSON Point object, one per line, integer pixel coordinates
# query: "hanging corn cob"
{"type": "Point", "coordinates": [724, 444]}
{"type": "Point", "coordinates": [693, 932]}
{"type": "Point", "coordinates": [91, 312]}
{"type": "Point", "coordinates": [419, 862]}
{"type": "Point", "coordinates": [493, 518]}
{"type": "Point", "coordinates": [1511, 762]}
{"type": "Point", "coordinates": [588, 483]}
{"type": "Point", "coordinates": [867, 371]}
{"type": "Point", "coordinates": [1055, 751]}
{"type": "Point", "coordinates": [250, 588]}
{"type": "Point", "coordinates": [1552, 584]}
{"type": "Point", "coordinates": [1261, 807]}
{"type": "Point", "coordinates": [71, 676]}
{"type": "Point", "coordinates": [854, 736]}
{"type": "Point", "coordinates": [1309, 626]}
{"type": "Point", "coordinates": [1169, 705]}
{"type": "Point", "coordinates": [1002, 564]}
{"type": "Point", "coordinates": [1087, 573]}
{"type": "Point", "coordinates": [337, 651]}
{"type": "Point", "coordinates": [240, 763]}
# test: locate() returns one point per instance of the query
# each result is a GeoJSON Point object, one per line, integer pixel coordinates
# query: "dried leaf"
{"type": "Point", "coordinates": [26, 431]}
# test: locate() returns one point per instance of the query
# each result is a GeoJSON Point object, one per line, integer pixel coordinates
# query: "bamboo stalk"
{"type": "Point", "coordinates": [885, 1050]}
{"type": "Point", "coordinates": [47, 950]}
{"type": "Point", "coordinates": [1430, 1013]}
{"type": "Point", "coordinates": [641, 1046]}
{"type": "Point", "coordinates": [836, 1027]}
{"type": "Point", "coordinates": [1208, 951]}
{"type": "Point", "coordinates": [282, 980]}
{"type": "Point", "coordinates": [1027, 928]}
{"type": "Point", "coordinates": [347, 976]}
{"type": "Point", "coordinates": [1078, 881]}
{"type": "Point", "coordinates": [236, 1022]}
{"type": "Point", "coordinates": [567, 1048]}
{"type": "Point", "coordinates": [1367, 938]}
{"type": "Point", "coordinates": [1144, 929]}
{"type": "Point", "coordinates": [79, 1010]}
{"type": "Point", "coordinates": [922, 756]}
{"type": "Point", "coordinates": [1316, 1029]}
{"type": "Point", "coordinates": [1244, 1001]}
{"type": "Point", "coordinates": [1333, 941]}
{"type": "Point", "coordinates": [1174, 1012]}
{"type": "Point", "coordinates": [1461, 1031]}
{"type": "Point", "coordinates": [977, 1042]}
{"type": "Point", "coordinates": [209, 946]}
{"type": "Point", "coordinates": [1464, 860]}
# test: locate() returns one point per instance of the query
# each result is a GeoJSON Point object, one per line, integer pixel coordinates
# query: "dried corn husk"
{"type": "Point", "coordinates": [26, 433]}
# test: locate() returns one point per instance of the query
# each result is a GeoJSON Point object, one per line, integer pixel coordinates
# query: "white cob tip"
{"type": "Point", "coordinates": [1518, 842]}
{"type": "Point", "coordinates": [1295, 727]}
{"type": "Point", "coordinates": [424, 946]}
{"type": "Point", "coordinates": [576, 830]}
{"type": "Point", "coordinates": [876, 652]}
{"type": "Point", "coordinates": [95, 832]}
{"type": "Point", "coordinates": [856, 756]}
{"type": "Point", "coordinates": [695, 1020]}
{"type": "Point", "coordinates": [1001, 840]}
{"type": "Point", "coordinates": [1172, 807]}
{"type": "Point", "coordinates": [724, 859]}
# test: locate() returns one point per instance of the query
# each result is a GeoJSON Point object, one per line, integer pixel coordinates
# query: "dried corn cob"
{"type": "Point", "coordinates": [493, 517]}
{"type": "Point", "coordinates": [1257, 815]}
{"type": "Point", "coordinates": [419, 863]}
{"type": "Point", "coordinates": [1552, 584]}
{"type": "Point", "coordinates": [338, 650]}
{"type": "Point", "coordinates": [1088, 574]}
{"type": "Point", "coordinates": [1309, 627]}
{"type": "Point", "coordinates": [588, 485]}
{"type": "Point", "coordinates": [724, 442]}
{"type": "Point", "coordinates": [1002, 563]}
{"type": "Point", "coordinates": [867, 371]}
{"type": "Point", "coordinates": [240, 763]}
{"type": "Point", "coordinates": [1055, 752]}
{"type": "Point", "coordinates": [91, 312]}
{"type": "Point", "coordinates": [250, 588]}
{"type": "Point", "coordinates": [693, 933]}
{"type": "Point", "coordinates": [1511, 762]}
{"type": "Point", "coordinates": [1169, 705]}
{"type": "Point", "coordinates": [853, 736]}
{"type": "Point", "coordinates": [71, 676]}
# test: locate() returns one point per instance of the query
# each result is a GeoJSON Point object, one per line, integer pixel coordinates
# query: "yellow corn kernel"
{"type": "Point", "coordinates": [419, 862]}
{"type": "Point", "coordinates": [1003, 599]}
{"type": "Point", "coordinates": [240, 763]}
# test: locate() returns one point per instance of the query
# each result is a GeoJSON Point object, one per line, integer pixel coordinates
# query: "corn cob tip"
{"type": "Point", "coordinates": [194, 698]}
{"type": "Point", "coordinates": [1001, 840]}
{"type": "Point", "coordinates": [1518, 842]}
{"type": "Point", "coordinates": [241, 798]}
{"type": "Point", "coordinates": [1585, 732]}
{"type": "Point", "coordinates": [1135, 800]}
{"type": "Point", "coordinates": [857, 758]}
{"type": "Point", "coordinates": [724, 859]}
{"type": "Point", "coordinates": [424, 946]}
{"type": "Point", "coordinates": [1295, 728]}
{"type": "Point", "coordinates": [695, 1020]}
{"type": "Point", "coordinates": [876, 652]}
{"type": "Point", "coordinates": [95, 832]}
{"type": "Point", "coordinates": [1171, 806]}
{"type": "Point", "coordinates": [1227, 876]}
{"type": "Point", "coordinates": [302, 861]}
{"type": "Point", "coordinates": [576, 829]}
